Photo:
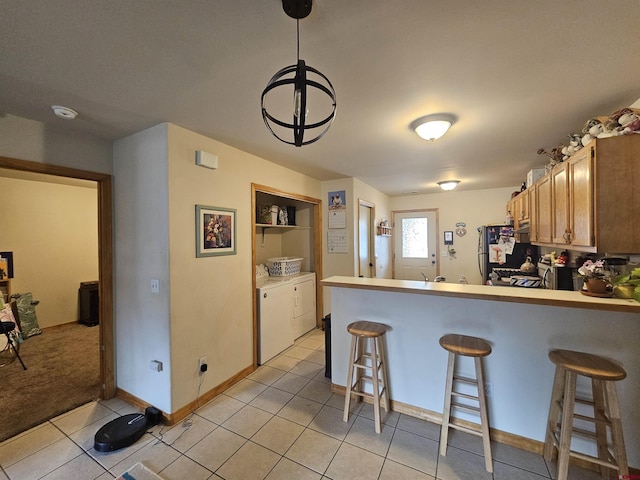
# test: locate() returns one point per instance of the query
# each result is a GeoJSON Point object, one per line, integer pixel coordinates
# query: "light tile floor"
{"type": "Point", "coordinates": [281, 422]}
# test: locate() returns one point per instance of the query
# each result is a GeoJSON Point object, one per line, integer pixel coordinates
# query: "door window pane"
{"type": "Point", "coordinates": [415, 238]}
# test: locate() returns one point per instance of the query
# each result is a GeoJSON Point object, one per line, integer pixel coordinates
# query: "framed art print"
{"type": "Point", "coordinates": [215, 231]}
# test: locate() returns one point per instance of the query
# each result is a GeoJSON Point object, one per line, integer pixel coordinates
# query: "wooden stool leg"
{"type": "Point", "coordinates": [484, 417]}
{"type": "Point", "coordinates": [376, 383]}
{"type": "Point", "coordinates": [566, 426]}
{"type": "Point", "coordinates": [613, 411]}
{"type": "Point", "coordinates": [347, 393]}
{"type": "Point", "coordinates": [446, 414]}
{"type": "Point", "coordinates": [383, 368]}
{"type": "Point", "coordinates": [554, 412]}
{"type": "Point", "coordinates": [599, 415]}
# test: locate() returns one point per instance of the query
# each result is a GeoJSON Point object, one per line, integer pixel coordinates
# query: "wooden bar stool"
{"type": "Point", "coordinates": [363, 359]}
{"type": "Point", "coordinates": [468, 347]}
{"type": "Point", "coordinates": [604, 402]}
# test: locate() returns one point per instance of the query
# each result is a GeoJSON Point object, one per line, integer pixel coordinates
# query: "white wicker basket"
{"type": "Point", "coordinates": [284, 266]}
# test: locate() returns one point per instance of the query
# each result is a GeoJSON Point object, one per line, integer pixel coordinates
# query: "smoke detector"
{"type": "Point", "coordinates": [64, 112]}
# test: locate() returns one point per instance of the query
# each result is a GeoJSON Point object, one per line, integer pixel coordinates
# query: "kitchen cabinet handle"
{"type": "Point", "coordinates": [265, 295]}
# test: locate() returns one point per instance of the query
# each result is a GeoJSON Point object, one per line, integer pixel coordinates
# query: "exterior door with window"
{"type": "Point", "coordinates": [415, 245]}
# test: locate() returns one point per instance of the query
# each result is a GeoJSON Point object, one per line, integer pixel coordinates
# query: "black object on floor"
{"type": "Point", "coordinates": [327, 345]}
{"type": "Point", "coordinates": [126, 430]}
{"type": "Point", "coordinates": [88, 294]}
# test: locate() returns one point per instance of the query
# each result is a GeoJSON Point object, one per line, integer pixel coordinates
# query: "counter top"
{"type": "Point", "coordinates": [534, 296]}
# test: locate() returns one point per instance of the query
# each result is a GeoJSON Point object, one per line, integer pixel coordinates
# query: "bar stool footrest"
{"type": "Point", "coordinates": [464, 428]}
{"type": "Point", "coordinates": [463, 406]}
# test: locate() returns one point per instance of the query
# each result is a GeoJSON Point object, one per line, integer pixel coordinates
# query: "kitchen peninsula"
{"type": "Point", "coordinates": [521, 324]}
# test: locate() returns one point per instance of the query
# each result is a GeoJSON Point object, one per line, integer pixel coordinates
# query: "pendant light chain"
{"type": "Point", "coordinates": [298, 36]}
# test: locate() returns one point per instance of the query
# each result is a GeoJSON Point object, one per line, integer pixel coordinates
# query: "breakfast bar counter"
{"type": "Point", "coordinates": [521, 324]}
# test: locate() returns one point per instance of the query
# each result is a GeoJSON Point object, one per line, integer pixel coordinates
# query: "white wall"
{"type": "Point", "coordinates": [52, 230]}
{"type": "Point", "coordinates": [338, 263]}
{"type": "Point", "coordinates": [383, 251]}
{"type": "Point", "coordinates": [518, 368]}
{"type": "Point", "coordinates": [474, 208]}
{"type": "Point", "coordinates": [348, 263]}
{"type": "Point", "coordinates": [34, 141]}
{"type": "Point", "coordinates": [142, 324]}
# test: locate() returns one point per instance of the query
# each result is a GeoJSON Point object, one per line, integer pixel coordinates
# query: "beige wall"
{"type": "Point", "coordinates": [52, 230]}
{"type": "Point", "coordinates": [472, 207]}
{"type": "Point", "coordinates": [204, 308]}
{"type": "Point", "coordinates": [211, 298]}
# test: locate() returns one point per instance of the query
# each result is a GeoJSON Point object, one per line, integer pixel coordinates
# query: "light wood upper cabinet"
{"type": "Point", "coordinates": [581, 225]}
{"type": "Point", "coordinates": [524, 206]}
{"type": "Point", "coordinates": [533, 210]}
{"type": "Point", "coordinates": [518, 206]}
{"type": "Point", "coordinates": [560, 204]}
{"type": "Point", "coordinates": [591, 202]}
{"type": "Point", "coordinates": [543, 210]}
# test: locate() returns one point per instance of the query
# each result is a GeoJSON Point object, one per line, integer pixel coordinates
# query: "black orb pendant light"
{"type": "Point", "coordinates": [300, 91]}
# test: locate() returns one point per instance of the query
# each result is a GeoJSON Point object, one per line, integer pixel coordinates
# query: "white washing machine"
{"type": "Point", "coordinates": [282, 315]}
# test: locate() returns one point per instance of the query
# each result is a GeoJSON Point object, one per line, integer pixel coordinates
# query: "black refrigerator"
{"type": "Point", "coordinates": [497, 248]}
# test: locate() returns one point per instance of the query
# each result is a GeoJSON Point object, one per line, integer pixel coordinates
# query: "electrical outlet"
{"type": "Point", "coordinates": [155, 286]}
{"type": "Point", "coordinates": [488, 388]}
{"type": "Point", "coordinates": [202, 365]}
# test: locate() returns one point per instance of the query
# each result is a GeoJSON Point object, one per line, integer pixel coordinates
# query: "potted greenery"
{"type": "Point", "coordinates": [628, 286]}
{"type": "Point", "coordinates": [595, 278]}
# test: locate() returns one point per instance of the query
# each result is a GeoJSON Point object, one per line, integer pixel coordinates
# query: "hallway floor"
{"type": "Point", "coordinates": [281, 422]}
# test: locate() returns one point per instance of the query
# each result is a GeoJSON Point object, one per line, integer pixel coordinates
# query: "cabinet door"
{"type": "Point", "coordinates": [304, 306]}
{"type": "Point", "coordinates": [544, 212]}
{"type": "Point", "coordinates": [581, 198]}
{"type": "Point", "coordinates": [524, 205]}
{"type": "Point", "coordinates": [533, 212]}
{"type": "Point", "coordinates": [560, 204]}
{"type": "Point", "coordinates": [511, 209]}
{"type": "Point", "coordinates": [275, 321]}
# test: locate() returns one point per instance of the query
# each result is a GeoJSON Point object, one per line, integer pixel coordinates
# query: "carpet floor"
{"type": "Point", "coordinates": [63, 372]}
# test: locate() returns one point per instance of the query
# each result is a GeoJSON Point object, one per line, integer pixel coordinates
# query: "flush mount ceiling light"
{"type": "Point", "coordinates": [432, 127]}
{"type": "Point", "coordinates": [448, 184]}
{"type": "Point", "coordinates": [299, 92]}
{"type": "Point", "coordinates": [64, 112]}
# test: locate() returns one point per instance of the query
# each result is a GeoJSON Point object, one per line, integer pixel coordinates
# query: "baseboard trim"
{"type": "Point", "coordinates": [181, 413]}
{"type": "Point", "coordinates": [523, 443]}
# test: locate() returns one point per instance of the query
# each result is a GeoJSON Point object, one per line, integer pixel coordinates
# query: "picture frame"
{"type": "Point", "coordinates": [6, 265]}
{"type": "Point", "coordinates": [215, 231]}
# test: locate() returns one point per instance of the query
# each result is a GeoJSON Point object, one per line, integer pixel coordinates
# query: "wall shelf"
{"type": "Point", "coordinates": [384, 231]}
{"type": "Point", "coordinates": [269, 225]}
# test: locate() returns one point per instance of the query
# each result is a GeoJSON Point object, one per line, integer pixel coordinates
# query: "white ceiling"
{"type": "Point", "coordinates": [519, 76]}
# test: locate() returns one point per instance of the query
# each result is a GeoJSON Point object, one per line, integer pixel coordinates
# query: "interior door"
{"type": "Point", "coordinates": [415, 245]}
{"type": "Point", "coordinates": [366, 221]}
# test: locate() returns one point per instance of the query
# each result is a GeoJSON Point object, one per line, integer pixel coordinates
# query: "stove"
{"type": "Point", "coordinates": [514, 277]}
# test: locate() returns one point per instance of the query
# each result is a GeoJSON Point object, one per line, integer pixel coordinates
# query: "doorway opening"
{"type": "Point", "coordinates": [309, 220]}
{"type": "Point", "coordinates": [416, 250]}
{"type": "Point", "coordinates": [366, 239]}
{"type": "Point", "coordinates": [105, 256]}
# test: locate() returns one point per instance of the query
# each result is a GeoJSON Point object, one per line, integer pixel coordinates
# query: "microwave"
{"type": "Point", "coordinates": [558, 277]}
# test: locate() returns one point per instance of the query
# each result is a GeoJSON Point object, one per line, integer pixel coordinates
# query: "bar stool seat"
{"type": "Point", "coordinates": [367, 354]}
{"type": "Point", "coordinates": [606, 412]}
{"type": "Point", "coordinates": [469, 347]}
